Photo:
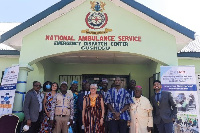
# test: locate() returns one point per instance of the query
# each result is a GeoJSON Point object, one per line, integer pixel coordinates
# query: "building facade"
{"type": "Point", "coordinates": [78, 40]}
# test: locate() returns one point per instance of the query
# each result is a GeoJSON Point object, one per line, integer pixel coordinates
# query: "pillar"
{"type": "Point", "coordinates": [21, 90]}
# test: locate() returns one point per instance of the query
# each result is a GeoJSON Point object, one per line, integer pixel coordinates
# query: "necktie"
{"type": "Point", "coordinates": [158, 98]}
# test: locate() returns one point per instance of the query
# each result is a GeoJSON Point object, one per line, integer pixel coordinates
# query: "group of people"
{"type": "Point", "coordinates": [114, 110]}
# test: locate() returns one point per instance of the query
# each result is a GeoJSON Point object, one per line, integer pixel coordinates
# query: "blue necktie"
{"type": "Point", "coordinates": [158, 98]}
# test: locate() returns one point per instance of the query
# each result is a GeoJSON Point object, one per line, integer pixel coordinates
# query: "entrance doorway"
{"type": "Point", "coordinates": [94, 78]}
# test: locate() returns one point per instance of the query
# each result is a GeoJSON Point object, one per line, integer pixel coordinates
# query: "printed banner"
{"type": "Point", "coordinates": [181, 82]}
{"type": "Point", "coordinates": [7, 90]}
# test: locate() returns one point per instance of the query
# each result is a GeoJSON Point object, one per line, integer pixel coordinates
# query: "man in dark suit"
{"type": "Point", "coordinates": [164, 109]}
{"type": "Point", "coordinates": [85, 91]}
{"type": "Point", "coordinates": [131, 87]}
{"type": "Point", "coordinates": [33, 108]}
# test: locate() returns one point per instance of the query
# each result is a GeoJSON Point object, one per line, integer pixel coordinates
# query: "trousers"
{"type": "Point", "coordinates": [61, 124]}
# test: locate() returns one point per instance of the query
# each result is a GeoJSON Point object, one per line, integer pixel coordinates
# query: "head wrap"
{"type": "Point", "coordinates": [140, 87]}
{"type": "Point", "coordinates": [74, 82]}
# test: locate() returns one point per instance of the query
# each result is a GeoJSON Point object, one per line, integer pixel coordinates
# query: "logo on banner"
{"type": "Point", "coordinates": [7, 89]}
{"type": "Point", "coordinates": [5, 100]}
{"type": "Point", "coordinates": [96, 19]}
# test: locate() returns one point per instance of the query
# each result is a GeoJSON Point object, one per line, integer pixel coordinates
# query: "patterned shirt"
{"type": "Point", "coordinates": [131, 92]}
{"type": "Point", "coordinates": [40, 97]}
{"type": "Point", "coordinates": [103, 93]}
{"type": "Point", "coordinates": [118, 99]}
{"type": "Point", "coordinates": [75, 95]}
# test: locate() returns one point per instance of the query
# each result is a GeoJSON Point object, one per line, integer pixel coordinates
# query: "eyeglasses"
{"type": "Point", "coordinates": [38, 86]}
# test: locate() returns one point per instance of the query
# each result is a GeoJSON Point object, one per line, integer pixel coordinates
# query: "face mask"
{"type": "Point", "coordinates": [48, 86]}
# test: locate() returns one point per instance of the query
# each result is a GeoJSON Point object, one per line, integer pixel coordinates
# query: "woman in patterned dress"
{"type": "Point", "coordinates": [93, 111]}
{"type": "Point", "coordinates": [46, 127]}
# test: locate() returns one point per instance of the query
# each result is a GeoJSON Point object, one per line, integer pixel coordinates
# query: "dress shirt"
{"type": "Point", "coordinates": [159, 93]}
{"type": "Point", "coordinates": [40, 97]}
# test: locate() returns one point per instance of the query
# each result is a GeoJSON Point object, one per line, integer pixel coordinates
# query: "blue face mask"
{"type": "Point", "coordinates": [48, 86]}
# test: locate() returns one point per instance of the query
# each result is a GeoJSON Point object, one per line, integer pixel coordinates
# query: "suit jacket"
{"type": "Point", "coordinates": [166, 110]}
{"type": "Point", "coordinates": [31, 106]}
{"type": "Point", "coordinates": [80, 106]}
{"type": "Point", "coordinates": [80, 102]}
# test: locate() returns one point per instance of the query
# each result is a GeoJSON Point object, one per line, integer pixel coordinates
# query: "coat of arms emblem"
{"type": "Point", "coordinates": [96, 19]}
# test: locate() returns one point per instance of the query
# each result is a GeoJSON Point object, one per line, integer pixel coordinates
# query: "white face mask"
{"type": "Point", "coordinates": [26, 128]}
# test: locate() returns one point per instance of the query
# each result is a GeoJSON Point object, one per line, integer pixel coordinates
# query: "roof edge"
{"type": "Point", "coordinates": [59, 5]}
{"type": "Point", "coordinates": [189, 54]}
{"type": "Point", "coordinates": [149, 12]}
{"type": "Point", "coordinates": [9, 52]}
{"type": "Point", "coordinates": [160, 18]}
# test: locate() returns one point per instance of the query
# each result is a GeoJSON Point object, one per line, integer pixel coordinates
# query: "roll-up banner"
{"type": "Point", "coordinates": [181, 82]}
{"type": "Point", "coordinates": [7, 89]}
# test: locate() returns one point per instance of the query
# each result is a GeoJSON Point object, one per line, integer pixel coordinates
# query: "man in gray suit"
{"type": "Point", "coordinates": [33, 107]}
{"type": "Point", "coordinates": [164, 109]}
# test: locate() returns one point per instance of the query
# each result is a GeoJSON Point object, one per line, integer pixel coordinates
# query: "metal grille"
{"type": "Point", "coordinates": [93, 78]}
{"type": "Point", "coordinates": [70, 78]}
